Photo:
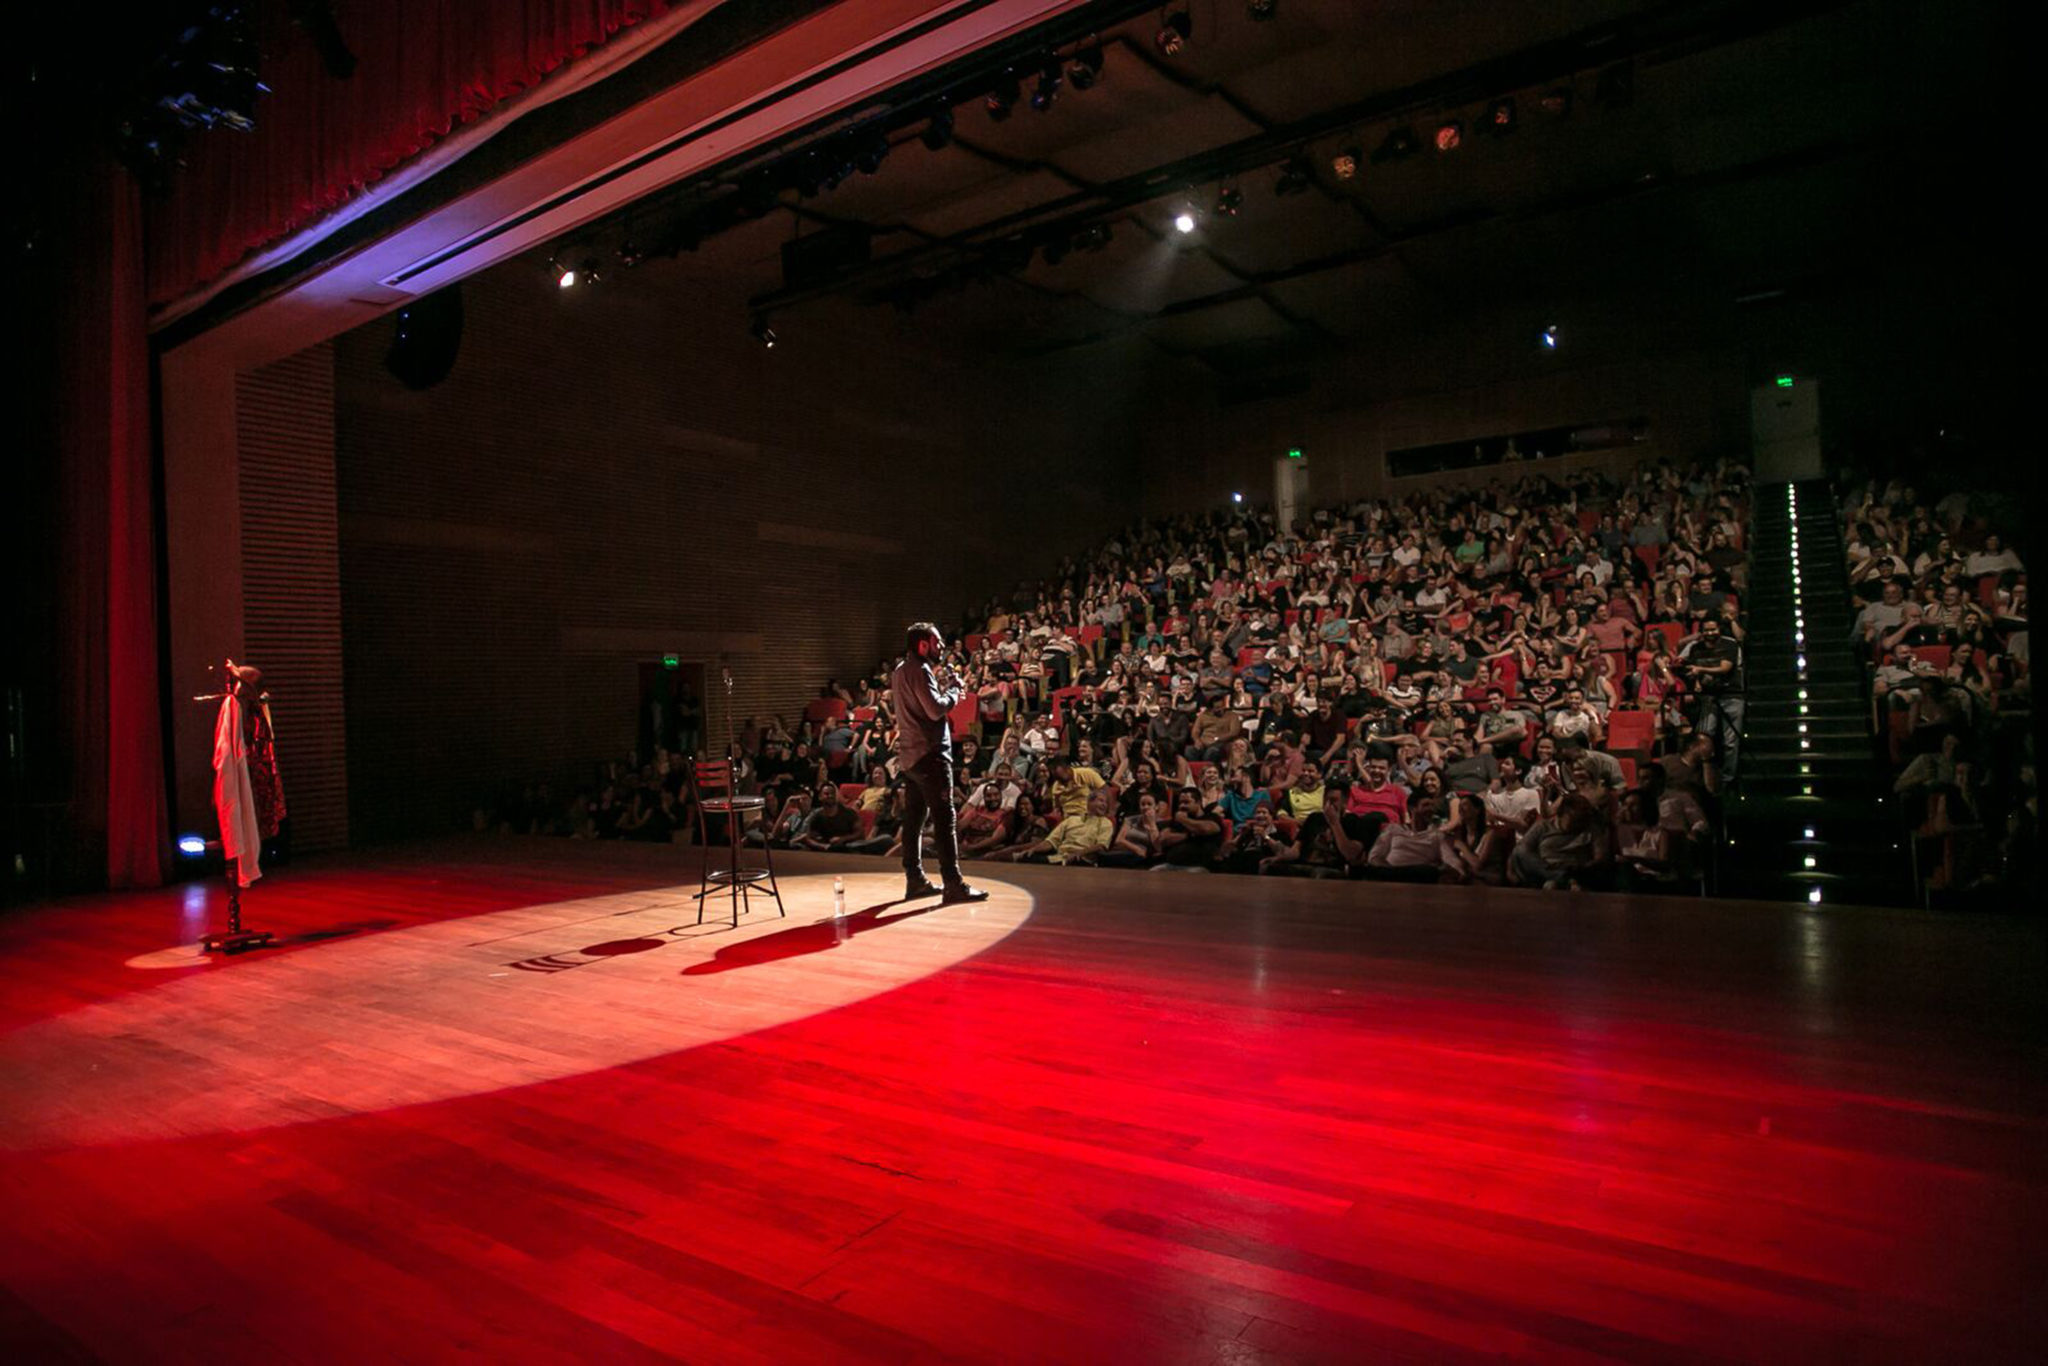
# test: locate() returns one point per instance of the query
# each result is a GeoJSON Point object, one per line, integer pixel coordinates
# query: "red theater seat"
{"type": "Point", "coordinates": [1630, 732]}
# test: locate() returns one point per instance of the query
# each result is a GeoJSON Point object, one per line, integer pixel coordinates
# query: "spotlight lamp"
{"type": "Point", "coordinates": [873, 151]}
{"type": "Point", "coordinates": [571, 273]}
{"type": "Point", "coordinates": [1500, 117]}
{"type": "Point", "coordinates": [1185, 221]}
{"type": "Point", "coordinates": [1003, 98]}
{"type": "Point", "coordinates": [1094, 237]}
{"type": "Point", "coordinates": [1547, 338]}
{"type": "Point", "coordinates": [1228, 201]}
{"type": "Point", "coordinates": [1173, 35]}
{"type": "Point", "coordinates": [762, 332]}
{"type": "Point", "coordinates": [1450, 135]}
{"type": "Point", "coordinates": [1086, 68]}
{"type": "Point", "coordinates": [1295, 178]}
{"type": "Point", "coordinates": [1048, 88]}
{"type": "Point", "coordinates": [939, 132]}
{"type": "Point", "coordinates": [1344, 165]}
{"type": "Point", "coordinates": [1398, 143]}
{"type": "Point", "coordinates": [1556, 102]}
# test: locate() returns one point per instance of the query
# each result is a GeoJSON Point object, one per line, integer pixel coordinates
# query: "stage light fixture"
{"type": "Point", "coordinates": [939, 132]}
{"type": "Point", "coordinates": [1173, 35]}
{"type": "Point", "coordinates": [1500, 117]}
{"type": "Point", "coordinates": [1398, 143]}
{"type": "Point", "coordinates": [1344, 165]}
{"type": "Point", "coordinates": [762, 332]}
{"type": "Point", "coordinates": [839, 166]}
{"type": "Point", "coordinates": [1295, 178]}
{"type": "Point", "coordinates": [1228, 201]}
{"type": "Point", "coordinates": [1450, 135]}
{"type": "Point", "coordinates": [1237, 497]}
{"type": "Point", "coordinates": [1048, 88]}
{"type": "Point", "coordinates": [1184, 222]}
{"type": "Point", "coordinates": [1003, 98]}
{"type": "Point", "coordinates": [1094, 237]}
{"type": "Point", "coordinates": [1548, 338]}
{"type": "Point", "coordinates": [1086, 69]}
{"type": "Point", "coordinates": [1261, 11]}
{"type": "Point", "coordinates": [1557, 103]}
{"type": "Point", "coordinates": [581, 271]}
{"type": "Point", "coordinates": [874, 150]}
{"type": "Point", "coordinates": [630, 253]}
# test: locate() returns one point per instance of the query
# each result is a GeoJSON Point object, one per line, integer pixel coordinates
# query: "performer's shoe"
{"type": "Point", "coordinates": [958, 892]}
{"type": "Point", "coordinates": [919, 887]}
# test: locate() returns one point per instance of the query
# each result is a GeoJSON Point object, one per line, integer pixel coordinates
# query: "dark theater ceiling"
{"type": "Point", "coordinates": [1724, 150]}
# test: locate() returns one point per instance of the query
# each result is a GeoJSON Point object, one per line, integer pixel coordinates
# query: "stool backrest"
{"type": "Point", "coordinates": [712, 777]}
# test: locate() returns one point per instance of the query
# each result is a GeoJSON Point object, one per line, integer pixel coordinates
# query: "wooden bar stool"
{"type": "Point", "coordinates": [711, 780]}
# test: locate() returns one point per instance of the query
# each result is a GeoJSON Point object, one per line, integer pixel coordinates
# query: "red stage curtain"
{"type": "Point", "coordinates": [110, 699]}
{"type": "Point", "coordinates": [423, 68]}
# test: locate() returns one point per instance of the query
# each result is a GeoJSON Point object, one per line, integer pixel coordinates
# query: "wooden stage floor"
{"type": "Point", "coordinates": [500, 1100]}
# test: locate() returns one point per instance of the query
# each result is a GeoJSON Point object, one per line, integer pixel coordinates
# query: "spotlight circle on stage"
{"type": "Point", "coordinates": [463, 1007]}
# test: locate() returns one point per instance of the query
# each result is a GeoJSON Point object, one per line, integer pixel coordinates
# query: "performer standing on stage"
{"type": "Point", "coordinates": [926, 691]}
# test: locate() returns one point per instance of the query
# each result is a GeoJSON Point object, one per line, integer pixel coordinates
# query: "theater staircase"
{"type": "Point", "coordinates": [1807, 819]}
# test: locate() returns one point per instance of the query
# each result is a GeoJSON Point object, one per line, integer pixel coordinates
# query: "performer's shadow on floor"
{"type": "Point", "coordinates": [798, 940]}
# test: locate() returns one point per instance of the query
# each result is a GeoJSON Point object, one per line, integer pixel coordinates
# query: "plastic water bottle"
{"type": "Point", "coordinates": [839, 896]}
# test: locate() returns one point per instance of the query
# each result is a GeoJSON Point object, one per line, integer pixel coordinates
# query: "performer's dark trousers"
{"type": "Point", "coordinates": [928, 786]}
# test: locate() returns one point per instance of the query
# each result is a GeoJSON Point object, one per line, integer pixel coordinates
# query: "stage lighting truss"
{"type": "Point", "coordinates": [1229, 201]}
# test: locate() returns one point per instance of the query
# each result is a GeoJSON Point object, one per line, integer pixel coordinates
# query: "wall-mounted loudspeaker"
{"type": "Point", "coordinates": [429, 334]}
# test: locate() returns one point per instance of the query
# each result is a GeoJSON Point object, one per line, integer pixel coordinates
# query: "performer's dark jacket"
{"type": "Point", "coordinates": [921, 710]}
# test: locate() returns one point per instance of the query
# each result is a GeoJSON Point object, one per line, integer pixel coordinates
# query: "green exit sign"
{"type": "Point", "coordinates": [1784, 381]}
{"type": "Point", "coordinates": [671, 661]}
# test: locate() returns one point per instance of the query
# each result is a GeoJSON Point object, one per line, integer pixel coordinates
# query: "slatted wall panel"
{"type": "Point", "coordinates": [292, 583]}
{"type": "Point", "coordinates": [610, 477]}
